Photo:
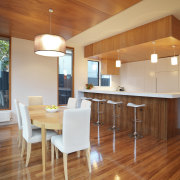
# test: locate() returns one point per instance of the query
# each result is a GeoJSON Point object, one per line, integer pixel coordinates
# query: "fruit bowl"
{"type": "Point", "coordinates": [52, 108]}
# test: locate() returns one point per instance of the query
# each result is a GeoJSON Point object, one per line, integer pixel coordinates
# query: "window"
{"type": "Point", "coordinates": [94, 74]}
{"type": "Point", "coordinates": [4, 73]}
{"type": "Point", "coordinates": [105, 80]}
{"type": "Point", "coordinates": [65, 81]}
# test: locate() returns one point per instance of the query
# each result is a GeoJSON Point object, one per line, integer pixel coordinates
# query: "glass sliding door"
{"type": "Point", "coordinates": [65, 77]}
{"type": "Point", "coordinates": [4, 73]}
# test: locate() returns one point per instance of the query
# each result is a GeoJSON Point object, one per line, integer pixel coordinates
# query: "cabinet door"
{"type": "Point", "coordinates": [108, 67]}
{"type": "Point", "coordinates": [167, 82]}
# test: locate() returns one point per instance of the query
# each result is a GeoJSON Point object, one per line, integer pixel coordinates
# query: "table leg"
{"type": "Point", "coordinates": [43, 133]}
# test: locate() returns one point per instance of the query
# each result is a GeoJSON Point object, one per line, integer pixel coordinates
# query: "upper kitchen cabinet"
{"type": "Point", "coordinates": [136, 44]}
{"type": "Point", "coordinates": [108, 67]}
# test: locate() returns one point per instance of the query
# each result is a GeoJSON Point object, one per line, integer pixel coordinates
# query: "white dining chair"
{"type": "Point", "coordinates": [35, 100]}
{"type": "Point", "coordinates": [19, 120]}
{"type": "Point", "coordinates": [72, 102]}
{"type": "Point", "coordinates": [30, 135]}
{"type": "Point", "coordinates": [85, 104]}
{"type": "Point", "coordinates": [75, 135]}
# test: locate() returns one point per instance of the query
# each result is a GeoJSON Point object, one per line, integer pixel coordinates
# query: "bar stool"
{"type": "Point", "coordinates": [135, 134]}
{"type": "Point", "coordinates": [114, 103]}
{"type": "Point", "coordinates": [99, 112]}
{"type": "Point", "coordinates": [86, 98]}
{"type": "Point", "coordinates": [83, 98]}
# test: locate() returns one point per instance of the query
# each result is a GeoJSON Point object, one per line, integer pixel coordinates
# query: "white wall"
{"type": "Point", "coordinates": [143, 76]}
{"type": "Point", "coordinates": [81, 71]}
{"type": "Point", "coordinates": [31, 74]}
{"type": "Point", "coordinates": [37, 75]}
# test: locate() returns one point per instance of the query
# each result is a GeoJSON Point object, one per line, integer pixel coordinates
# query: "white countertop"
{"type": "Point", "coordinates": [142, 94]}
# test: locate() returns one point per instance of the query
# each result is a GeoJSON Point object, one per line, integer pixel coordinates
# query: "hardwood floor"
{"type": "Point", "coordinates": [113, 156]}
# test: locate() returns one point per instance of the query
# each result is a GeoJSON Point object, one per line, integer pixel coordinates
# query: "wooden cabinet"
{"type": "Point", "coordinates": [108, 67]}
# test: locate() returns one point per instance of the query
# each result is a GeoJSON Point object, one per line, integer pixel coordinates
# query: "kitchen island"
{"type": "Point", "coordinates": [159, 116]}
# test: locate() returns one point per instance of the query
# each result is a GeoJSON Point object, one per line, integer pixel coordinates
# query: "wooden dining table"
{"type": "Point", "coordinates": [45, 120]}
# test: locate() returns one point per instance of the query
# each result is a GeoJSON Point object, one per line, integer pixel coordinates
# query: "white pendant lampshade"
{"type": "Point", "coordinates": [49, 45]}
{"type": "Point", "coordinates": [174, 60]}
{"type": "Point", "coordinates": [154, 58]}
{"type": "Point", "coordinates": [118, 63]}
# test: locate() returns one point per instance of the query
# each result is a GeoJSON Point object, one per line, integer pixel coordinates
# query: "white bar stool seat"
{"type": "Point", "coordinates": [135, 134]}
{"type": "Point", "coordinates": [114, 103]}
{"type": "Point", "coordinates": [135, 105]}
{"type": "Point", "coordinates": [86, 98]}
{"type": "Point", "coordinates": [98, 110]}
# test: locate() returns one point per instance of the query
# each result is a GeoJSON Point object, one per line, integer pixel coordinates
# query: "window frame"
{"type": "Point", "coordinates": [10, 44]}
{"type": "Point", "coordinates": [98, 70]}
{"type": "Point", "coordinates": [99, 73]}
{"type": "Point", "coordinates": [72, 49]}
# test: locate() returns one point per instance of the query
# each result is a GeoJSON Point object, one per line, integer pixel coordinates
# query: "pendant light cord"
{"type": "Point", "coordinates": [50, 12]}
{"type": "Point", "coordinates": [154, 47]}
{"type": "Point", "coordinates": [50, 23]}
{"type": "Point", "coordinates": [118, 54]}
{"type": "Point", "coordinates": [174, 50]}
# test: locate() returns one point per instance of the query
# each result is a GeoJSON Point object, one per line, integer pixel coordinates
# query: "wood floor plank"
{"type": "Point", "coordinates": [113, 156]}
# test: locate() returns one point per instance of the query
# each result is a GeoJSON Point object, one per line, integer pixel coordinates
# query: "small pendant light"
{"type": "Point", "coordinates": [174, 59]}
{"type": "Point", "coordinates": [118, 61]}
{"type": "Point", "coordinates": [48, 44]}
{"type": "Point", "coordinates": [154, 56]}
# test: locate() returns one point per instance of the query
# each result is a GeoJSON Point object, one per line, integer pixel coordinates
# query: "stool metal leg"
{"type": "Point", "coordinates": [98, 121]}
{"type": "Point", "coordinates": [135, 133]}
{"type": "Point", "coordinates": [114, 118]}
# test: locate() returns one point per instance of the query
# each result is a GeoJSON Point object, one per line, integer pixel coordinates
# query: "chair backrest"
{"type": "Point", "coordinates": [16, 103]}
{"type": "Point", "coordinates": [72, 103]}
{"type": "Point", "coordinates": [26, 122]}
{"type": "Point", "coordinates": [35, 100]}
{"type": "Point", "coordinates": [85, 104]}
{"type": "Point", "coordinates": [76, 129]}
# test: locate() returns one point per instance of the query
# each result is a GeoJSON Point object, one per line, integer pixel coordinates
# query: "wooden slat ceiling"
{"type": "Point", "coordinates": [27, 18]}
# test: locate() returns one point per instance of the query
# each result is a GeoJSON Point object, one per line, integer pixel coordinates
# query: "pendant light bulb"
{"type": "Point", "coordinates": [154, 56]}
{"type": "Point", "coordinates": [118, 61]}
{"type": "Point", "coordinates": [174, 59]}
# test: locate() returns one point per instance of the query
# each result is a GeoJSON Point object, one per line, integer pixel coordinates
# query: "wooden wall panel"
{"type": "Point", "coordinates": [159, 116]}
{"type": "Point", "coordinates": [172, 107]}
{"type": "Point", "coordinates": [175, 27]}
{"type": "Point", "coordinates": [136, 44]}
{"type": "Point", "coordinates": [149, 32]}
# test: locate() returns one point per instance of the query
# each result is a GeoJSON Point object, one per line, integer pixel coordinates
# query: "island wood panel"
{"type": "Point", "coordinates": [159, 116]}
{"type": "Point", "coordinates": [172, 116]}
